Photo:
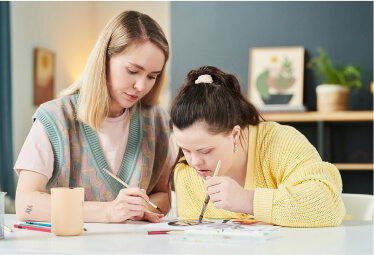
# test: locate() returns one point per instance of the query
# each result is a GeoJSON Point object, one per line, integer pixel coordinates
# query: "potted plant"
{"type": "Point", "coordinates": [333, 94]}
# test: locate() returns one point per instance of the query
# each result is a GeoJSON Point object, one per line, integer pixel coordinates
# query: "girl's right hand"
{"type": "Point", "coordinates": [130, 202]}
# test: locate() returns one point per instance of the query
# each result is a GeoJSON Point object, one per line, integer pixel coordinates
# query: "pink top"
{"type": "Point", "coordinates": [36, 154]}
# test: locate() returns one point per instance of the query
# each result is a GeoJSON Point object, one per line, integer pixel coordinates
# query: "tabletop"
{"type": "Point", "coordinates": [352, 237]}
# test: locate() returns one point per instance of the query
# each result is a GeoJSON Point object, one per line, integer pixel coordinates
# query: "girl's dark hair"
{"type": "Point", "coordinates": [221, 104]}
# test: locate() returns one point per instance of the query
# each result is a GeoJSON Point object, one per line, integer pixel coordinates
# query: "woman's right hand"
{"type": "Point", "coordinates": [130, 202]}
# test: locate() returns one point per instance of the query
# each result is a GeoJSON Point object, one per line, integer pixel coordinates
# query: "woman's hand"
{"type": "Point", "coordinates": [225, 193]}
{"type": "Point", "coordinates": [129, 203]}
{"type": "Point", "coordinates": [149, 216]}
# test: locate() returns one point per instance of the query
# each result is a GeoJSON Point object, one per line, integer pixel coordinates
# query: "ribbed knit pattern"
{"type": "Point", "coordinates": [293, 186]}
{"type": "Point", "coordinates": [79, 159]}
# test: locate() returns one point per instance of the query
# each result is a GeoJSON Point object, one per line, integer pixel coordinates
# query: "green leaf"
{"type": "Point", "coordinates": [262, 86]}
{"type": "Point", "coordinates": [347, 75]}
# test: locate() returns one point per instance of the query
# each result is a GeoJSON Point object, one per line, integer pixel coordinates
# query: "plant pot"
{"type": "Point", "coordinates": [278, 99]}
{"type": "Point", "coordinates": [331, 97]}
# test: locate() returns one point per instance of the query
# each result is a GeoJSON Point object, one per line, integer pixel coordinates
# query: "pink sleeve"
{"type": "Point", "coordinates": [36, 154]}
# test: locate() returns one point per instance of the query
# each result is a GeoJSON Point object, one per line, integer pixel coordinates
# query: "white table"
{"type": "Point", "coordinates": [353, 237]}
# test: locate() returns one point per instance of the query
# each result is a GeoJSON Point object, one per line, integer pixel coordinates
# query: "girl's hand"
{"type": "Point", "coordinates": [129, 203]}
{"type": "Point", "coordinates": [225, 193]}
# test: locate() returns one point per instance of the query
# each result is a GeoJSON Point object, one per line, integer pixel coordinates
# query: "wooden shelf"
{"type": "Point", "coordinates": [344, 116]}
{"type": "Point", "coordinates": [321, 118]}
{"type": "Point", "coordinates": [351, 166]}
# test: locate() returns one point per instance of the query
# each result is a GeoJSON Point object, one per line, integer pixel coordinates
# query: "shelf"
{"type": "Point", "coordinates": [324, 130]}
{"type": "Point", "coordinates": [344, 116]}
{"type": "Point", "coordinates": [351, 166]}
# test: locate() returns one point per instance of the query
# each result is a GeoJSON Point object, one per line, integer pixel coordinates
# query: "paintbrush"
{"type": "Point", "coordinates": [207, 198]}
{"type": "Point", "coordinates": [128, 186]}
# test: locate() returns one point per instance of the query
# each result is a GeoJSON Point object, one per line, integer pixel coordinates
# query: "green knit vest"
{"type": "Point", "coordinates": [79, 159]}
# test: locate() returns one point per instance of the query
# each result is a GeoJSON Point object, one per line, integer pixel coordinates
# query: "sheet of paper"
{"type": "Point", "coordinates": [183, 224]}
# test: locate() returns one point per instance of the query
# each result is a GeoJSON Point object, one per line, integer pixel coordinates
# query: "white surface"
{"type": "Point", "coordinates": [359, 206]}
{"type": "Point", "coordinates": [353, 237]}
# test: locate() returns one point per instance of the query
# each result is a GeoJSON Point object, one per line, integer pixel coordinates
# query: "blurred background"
{"type": "Point", "coordinates": [200, 33]}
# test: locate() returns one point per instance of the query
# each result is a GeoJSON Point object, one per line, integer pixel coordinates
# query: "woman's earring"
{"type": "Point", "coordinates": [235, 147]}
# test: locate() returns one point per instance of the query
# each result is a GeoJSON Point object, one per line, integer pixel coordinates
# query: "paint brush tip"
{"type": "Point", "coordinates": [159, 209]}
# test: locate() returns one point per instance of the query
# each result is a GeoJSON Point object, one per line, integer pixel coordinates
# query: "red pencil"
{"type": "Point", "coordinates": [163, 232]}
{"type": "Point", "coordinates": [33, 228]}
{"type": "Point", "coordinates": [245, 222]}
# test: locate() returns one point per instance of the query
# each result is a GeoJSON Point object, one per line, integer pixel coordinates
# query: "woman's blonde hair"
{"type": "Point", "coordinates": [129, 28]}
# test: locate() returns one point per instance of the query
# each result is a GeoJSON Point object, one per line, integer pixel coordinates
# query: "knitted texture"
{"type": "Point", "coordinates": [293, 186]}
{"type": "Point", "coordinates": [79, 159]}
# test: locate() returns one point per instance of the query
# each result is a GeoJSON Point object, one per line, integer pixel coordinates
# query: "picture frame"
{"type": "Point", "coordinates": [44, 75]}
{"type": "Point", "coordinates": [276, 78]}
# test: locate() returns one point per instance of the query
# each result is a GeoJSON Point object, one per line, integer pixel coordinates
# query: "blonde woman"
{"type": "Point", "coordinates": [109, 118]}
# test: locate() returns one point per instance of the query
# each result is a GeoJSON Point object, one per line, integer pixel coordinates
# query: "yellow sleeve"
{"type": "Point", "coordinates": [299, 189]}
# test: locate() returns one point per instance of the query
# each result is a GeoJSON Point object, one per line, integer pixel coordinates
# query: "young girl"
{"type": "Point", "coordinates": [109, 119]}
{"type": "Point", "coordinates": [269, 171]}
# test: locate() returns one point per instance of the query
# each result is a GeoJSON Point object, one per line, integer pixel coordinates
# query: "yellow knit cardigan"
{"type": "Point", "coordinates": [293, 186]}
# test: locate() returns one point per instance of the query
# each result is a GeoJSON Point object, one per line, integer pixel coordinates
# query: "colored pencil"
{"type": "Point", "coordinates": [127, 186]}
{"type": "Point", "coordinates": [207, 198]}
{"type": "Point", "coordinates": [165, 232]}
{"type": "Point", "coordinates": [43, 224]}
{"type": "Point", "coordinates": [245, 222]}
{"type": "Point", "coordinates": [32, 228]}
{"type": "Point", "coordinates": [38, 223]}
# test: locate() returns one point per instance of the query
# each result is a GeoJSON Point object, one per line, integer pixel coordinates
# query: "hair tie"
{"type": "Point", "coordinates": [205, 78]}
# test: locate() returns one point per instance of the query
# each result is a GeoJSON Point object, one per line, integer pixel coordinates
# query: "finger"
{"type": "Point", "coordinates": [152, 217]}
{"type": "Point", "coordinates": [214, 181]}
{"type": "Point", "coordinates": [214, 189]}
{"type": "Point", "coordinates": [135, 191]}
{"type": "Point", "coordinates": [136, 215]}
{"type": "Point", "coordinates": [134, 200]}
{"type": "Point", "coordinates": [219, 204]}
{"type": "Point", "coordinates": [215, 197]}
{"type": "Point", "coordinates": [134, 208]}
{"type": "Point", "coordinates": [159, 215]}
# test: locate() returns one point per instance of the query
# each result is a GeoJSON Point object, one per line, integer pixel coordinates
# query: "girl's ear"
{"type": "Point", "coordinates": [236, 134]}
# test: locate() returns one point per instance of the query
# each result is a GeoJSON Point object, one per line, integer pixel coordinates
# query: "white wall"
{"type": "Point", "coordinates": [70, 29]}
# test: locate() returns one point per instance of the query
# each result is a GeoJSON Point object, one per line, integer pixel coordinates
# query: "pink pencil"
{"type": "Point", "coordinates": [127, 186]}
{"type": "Point", "coordinates": [32, 228]}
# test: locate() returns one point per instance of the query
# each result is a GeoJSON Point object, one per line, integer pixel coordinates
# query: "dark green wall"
{"type": "Point", "coordinates": [221, 34]}
{"type": "Point", "coordinates": [6, 148]}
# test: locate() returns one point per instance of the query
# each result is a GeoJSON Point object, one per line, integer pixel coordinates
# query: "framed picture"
{"type": "Point", "coordinates": [44, 76]}
{"type": "Point", "coordinates": [276, 78]}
